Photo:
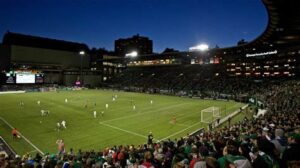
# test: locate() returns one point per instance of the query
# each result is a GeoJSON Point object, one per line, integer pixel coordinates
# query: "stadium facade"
{"type": "Point", "coordinates": [274, 54]}
{"type": "Point", "coordinates": [29, 59]}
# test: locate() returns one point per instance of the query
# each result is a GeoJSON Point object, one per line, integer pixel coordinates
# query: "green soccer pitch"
{"type": "Point", "coordinates": [120, 124]}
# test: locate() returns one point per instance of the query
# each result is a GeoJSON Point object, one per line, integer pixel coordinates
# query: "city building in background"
{"type": "Point", "coordinates": [141, 45]}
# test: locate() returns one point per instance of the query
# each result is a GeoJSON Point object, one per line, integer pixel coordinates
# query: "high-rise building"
{"type": "Point", "coordinates": [142, 45]}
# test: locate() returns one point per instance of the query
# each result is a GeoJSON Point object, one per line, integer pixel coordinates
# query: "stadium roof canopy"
{"type": "Point", "coordinates": [41, 42]}
{"type": "Point", "coordinates": [283, 24]}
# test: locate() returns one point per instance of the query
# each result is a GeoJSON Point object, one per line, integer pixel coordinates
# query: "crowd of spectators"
{"type": "Point", "coordinates": [269, 141]}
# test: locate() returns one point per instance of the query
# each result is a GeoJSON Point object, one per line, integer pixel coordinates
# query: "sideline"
{"type": "Point", "coordinates": [180, 131]}
{"type": "Point", "coordinates": [36, 148]}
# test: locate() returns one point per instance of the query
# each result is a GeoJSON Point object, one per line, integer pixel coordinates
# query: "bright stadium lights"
{"type": "Point", "coordinates": [132, 54]}
{"type": "Point", "coordinates": [201, 47]}
{"type": "Point", "coordinates": [81, 52]}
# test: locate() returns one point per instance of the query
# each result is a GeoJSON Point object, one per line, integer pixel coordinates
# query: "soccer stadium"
{"type": "Point", "coordinates": [66, 105]}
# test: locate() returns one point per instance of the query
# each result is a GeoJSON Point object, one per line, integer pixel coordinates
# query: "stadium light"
{"type": "Point", "coordinates": [201, 47]}
{"type": "Point", "coordinates": [132, 54]}
{"type": "Point", "coordinates": [81, 53]}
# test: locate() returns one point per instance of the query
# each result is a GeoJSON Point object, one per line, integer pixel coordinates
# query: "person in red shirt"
{"type": "Point", "coordinates": [61, 146]}
{"type": "Point", "coordinates": [14, 133]}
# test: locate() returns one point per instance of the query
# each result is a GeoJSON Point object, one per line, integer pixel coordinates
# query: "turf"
{"type": "Point", "coordinates": [120, 124]}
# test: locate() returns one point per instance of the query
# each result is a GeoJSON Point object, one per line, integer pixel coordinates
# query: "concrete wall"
{"type": "Point", "coordinates": [53, 77]}
{"type": "Point", "coordinates": [88, 80]}
{"type": "Point", "coordinates": [30, 55]}
{"type": "Point", "coordinates": [92, 80]}
{"type": "Point", "coordinates": [4, 57]}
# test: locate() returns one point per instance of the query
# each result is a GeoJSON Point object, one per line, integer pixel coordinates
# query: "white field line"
{"type": "Point", "coordinates": [183, 125]}
{"type": "Point", "coordinates": [149, 111]}
{"type": "Point", "coordinates": [32, 151]}
{"type": "Point", "coordinates": [8, 145]}
{"type": "Point", "coordinates": [184, 115]}
{"type": "Point", "coordinates": [120, 129]}
{"type": "Point", "coordinates": [180, 131]}
{"type": "Point", "coordinates": [36, 148]}
{"type": "Point", "coordinates": [190, 114]}
{"type": "Point", "coordinates": [232, 114]}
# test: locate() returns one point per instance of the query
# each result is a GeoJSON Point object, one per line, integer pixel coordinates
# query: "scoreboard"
{"type": "Point", "coordinates": [24, 77]}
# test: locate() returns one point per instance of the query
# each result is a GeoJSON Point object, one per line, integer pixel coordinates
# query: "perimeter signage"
{"type": "Point", "coordinates": [262, 54]}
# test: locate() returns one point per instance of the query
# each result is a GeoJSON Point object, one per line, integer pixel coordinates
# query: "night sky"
{"type": "Point", "coordinates": [177, 24]}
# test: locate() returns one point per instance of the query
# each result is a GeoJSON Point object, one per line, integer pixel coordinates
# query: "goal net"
{"type": "Point", "coordinates": [209, 114]}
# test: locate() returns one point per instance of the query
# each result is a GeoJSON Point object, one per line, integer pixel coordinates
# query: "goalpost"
{"type": "Point", "coordinates": [209, 114]}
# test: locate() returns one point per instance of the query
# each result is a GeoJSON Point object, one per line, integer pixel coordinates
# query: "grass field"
{"type": "Point", "coordinates": [120, 124]}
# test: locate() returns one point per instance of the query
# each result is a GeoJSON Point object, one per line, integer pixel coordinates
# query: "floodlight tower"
{"type": "Point", "coordinates": [200, 47]}
{"type": "Point", "coordinates": [131, 55]}
{"type": "Point", "coordinates": [81, 53]}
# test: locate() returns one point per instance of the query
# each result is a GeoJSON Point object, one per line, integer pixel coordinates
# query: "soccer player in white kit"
{"type": "Point", "coordinates": [42, 112]}
{"type": "Point", "coordinates": [106, 106]}
{"type": "Point", "coordinates": [58, 126]}
{"type": "Point", "coordinates": [95, 114]}
{"type": "Point", "coordinates": [66, 100]}
{"type": "Point", "coordinates": [38, 102]}
{"type": "Point", "coordinates": [63, 123]}
{"type": "Point", "coordinates": [151, 101]}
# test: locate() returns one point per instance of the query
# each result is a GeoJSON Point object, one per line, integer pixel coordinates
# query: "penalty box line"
{"type": "Point", "coordinates": [28, 141]}
{"type": "Point", "coordinates": [123, 130]}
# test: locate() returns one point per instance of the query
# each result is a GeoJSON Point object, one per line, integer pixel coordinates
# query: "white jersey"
{"type": "Point", "coordinates": [38, 102]}
{"type": "Point", "coordinates": [95, 114]}
{"type": "Point", "coordinates": [45, 112]}
{"type": "Point", "coordinates": [133, 107]}
{"type": "Point", "coordinates": [66, 100]}
{"type": "Point", "coordinates": [151, 101]}
{"type": "Point", "coordinates": [58, 126]}
{"type": "Point", "coordinates": [63, 123]}
{"type": "Point", "coordinates": [113, 99]}
{"type": "Point", "coordinates": [106, 106]}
